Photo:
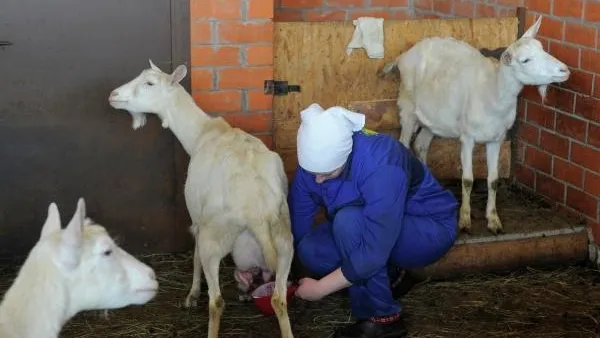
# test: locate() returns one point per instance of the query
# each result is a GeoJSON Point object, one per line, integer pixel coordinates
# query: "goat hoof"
{"type": "Point", "coordinates": [494, 225]}
{"type": "Point", "coordinates": [191, 301]}
{"type": "Point", "coordinates": [465, 225]}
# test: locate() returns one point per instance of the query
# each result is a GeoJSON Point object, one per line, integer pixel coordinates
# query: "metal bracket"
{"type": "Point", "coordinates": [279, 88]}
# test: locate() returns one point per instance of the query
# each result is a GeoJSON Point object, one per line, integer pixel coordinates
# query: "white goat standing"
{"type": "Point", "coordinates": [71, 270]}
{"type": "Point", "coordinates": [235, 191]}
{"type": "Point", "coordinates": [451, 90]}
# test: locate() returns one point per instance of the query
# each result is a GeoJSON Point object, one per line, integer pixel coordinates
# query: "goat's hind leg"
{"type": "Point", "coordinates": [408, 117]}
{"type": "Point", "coordinates": [491, 213]}
{"type": "Point", "coordinates": [466, 159]}
{"type": "Point", "coordinates": [283, 240]}
{"type": "Point", "coordinates": [213, 246]}
{"type": "Point", "coordinates": [422, 143]}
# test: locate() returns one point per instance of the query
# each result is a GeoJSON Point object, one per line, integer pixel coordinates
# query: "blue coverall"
{"type": "Point", "coordinates": [385, 209]}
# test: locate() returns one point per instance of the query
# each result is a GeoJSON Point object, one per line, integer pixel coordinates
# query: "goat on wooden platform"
{"type": "Point", "coordinates": [451, 90]}
{"type": "Point", "coordinates": [235, 190]}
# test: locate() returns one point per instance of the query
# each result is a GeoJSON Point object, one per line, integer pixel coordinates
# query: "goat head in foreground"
{"type": "Point", "coordinates": [70, 270]}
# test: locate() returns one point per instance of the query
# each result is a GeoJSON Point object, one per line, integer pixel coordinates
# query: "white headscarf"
{"type": "Point", "coordinates": [324, 138]}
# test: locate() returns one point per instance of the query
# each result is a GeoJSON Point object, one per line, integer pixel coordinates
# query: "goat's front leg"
{"type": "Point", "coordinates": [493, 153]}
{"type": "Point", "coordinates": [466, 160]}
{"type": "Point", "coordinates": [192, 297]}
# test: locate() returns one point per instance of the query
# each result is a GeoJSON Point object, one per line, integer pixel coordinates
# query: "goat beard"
{"type": "Point", "coordinates": [139, 120]}
{"type": "Point", "coordinates": [543, 90]}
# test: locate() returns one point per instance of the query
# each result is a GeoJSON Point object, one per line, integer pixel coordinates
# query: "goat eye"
{"type": "Point", "coordinates": [525, 61]}
{"type": "Point", "coordinates": [107, 253]}
{"type": "Point", "coordinates": [150, 83]}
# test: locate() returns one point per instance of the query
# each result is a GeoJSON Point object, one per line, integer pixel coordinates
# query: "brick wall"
{"type": "Point", "coordinates": [338, 10]}
{"type": "Point", "coordinates": [231, 56]}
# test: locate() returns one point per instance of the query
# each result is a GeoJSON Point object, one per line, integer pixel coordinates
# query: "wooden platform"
{"type": "Point", "coordinates": [535, 235]}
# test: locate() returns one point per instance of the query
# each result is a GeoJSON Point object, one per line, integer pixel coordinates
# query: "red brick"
{"type": "Point", "coordinates": [549, 187]}
{"type": "Point", "coordinates": [484, 10]}
{"type": "Point", "coordinates": [464, 9]}
{"type": "Point", "coordinates": [423, 4]}
{"type": "Point", "coordinates": [521, 109]}
{"type": "Point", "coordinates": [200, 32]}
{"type": "Point", "coordinates": [506, 12]}
{"type": "Point", "coordinates": [219, 101]}
{"type": "Point", "coordinates": [567, 54]}
{"type": "Point", "coordinates": [252, 77]}
{"type": "Point", "coordinates": [520, 151]}
{"type": "Point", "coordinates": [580, 34]}
{"type": "Point", "coordinates": [597, 86]}
{"type": "Point", "coordinates": [571, 126]}
{"type": "Point", "coordinates": [592, 11]}
{"type": "Point", "coordinates": [202, 78]}
{"type": "Point", "coordinates": [594, 135]}
{"type": "Point", "coordinates": [529, 133]}
{"type": "Point", "coordinates": [585, 156]}
{"type": "Point", "coordinates": [590, 60]}
{"type": "Point", "coordinates": [302, 3]}
{"type": "Point", "coordinates": [531, 93]}
{"type": "Point", "coordinates": [588, 107]}
{"type": "Point", "coordinates": [568, 172]}
{"type": "Point", "coordinates": [216, 9]}
{"type": "Point", "coordinates": [258, 100]}
{"type": "Point", "coordinates": [592, 183]}
{"type": "Point", "coordinates": [259, 55]}
{"type": "Point", "coordinates": [215, 56]}
{"type": "Point", "coordinates": [554, 144]}
{"type": "Point", "coordinates": [266, 139]}
{"type": "Point", "coordinates": [288, 16]}
{"type": "Point", "coordinates": [560, 99]}
{"type": "Point", "coordinates": [579, 81]}
{"type": "Point", "coordinates": [552, 28]}
{"type": "Point", "coordinates": [539, 6]}
{"type": "Point", "coordinates": [245, 32]}
{"type": "Point", "coordinates": [346, 3]}
{"type": "Point", "coordinates": [568, 8]}
{"type": "Point", "coordinates": [372, 13]}
{"type": "Point", "coordinates": [389, 3]}
{"type": "Point", "coordinates": [320, 15]}
{"type": "Point", "coordinates": [251, 123]}
{"type": "Point", "coordinates": [582, 202]}
{"type": "Point", "coordinates": [442, 6]}
{"type": "Point", "coordinates": [540, 115]}
{"type": "Point", "coordinates": [402, 14]}
{"type": "Point", "coordinates": [525, 175]}
{"type": "Point", "coordinates": [511, 3]}
{"type": "Point", "coordinates": [260, 9]}
{"type": "Point", "coordinates": [538, 159]}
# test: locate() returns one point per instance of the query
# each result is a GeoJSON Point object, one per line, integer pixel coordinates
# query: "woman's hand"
{"type": "Point", "coordinates": [309, 289]}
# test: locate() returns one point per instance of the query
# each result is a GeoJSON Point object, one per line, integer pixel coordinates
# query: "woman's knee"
{"type": "Point", "coordinates": [348, 222]}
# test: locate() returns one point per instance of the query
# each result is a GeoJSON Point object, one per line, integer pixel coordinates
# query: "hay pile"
{"type": "Point", "coordinates": [529, 303]}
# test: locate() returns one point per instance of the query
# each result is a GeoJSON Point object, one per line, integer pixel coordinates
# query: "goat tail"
{"type": "Point", "coordinates": [388, 68]}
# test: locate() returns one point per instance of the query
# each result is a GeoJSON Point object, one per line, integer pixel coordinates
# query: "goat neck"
{"type": "Point", "coordinates": [185, 119]}
{"type": "Point", "coordinates": [507, 88]}
{"type": "Point", "coordinates": [37, 304]}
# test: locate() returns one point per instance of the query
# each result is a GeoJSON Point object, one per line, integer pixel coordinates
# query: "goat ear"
{"type": "Point", "coordinates": [52, 223]}
{"type": "Point", "coordinates": [153, 66]}
{"type": "Point", "coordinates": [506, 58]}
{"type": "Point", "coordinates": [178, 74]}
{"type": "Point", "coordinates": [72, 239]}
{"type": "Point", "coordinates": [532, 31]}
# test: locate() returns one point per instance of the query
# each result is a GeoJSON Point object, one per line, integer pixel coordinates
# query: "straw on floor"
{"type": "Point", "coordinates": [529, 303]}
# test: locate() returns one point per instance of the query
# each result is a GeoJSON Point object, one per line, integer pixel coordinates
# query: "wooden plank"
{"type": "Point", "coordinates": [382, 116]}
{"type": "Point", "coordinates": [313, 55]}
